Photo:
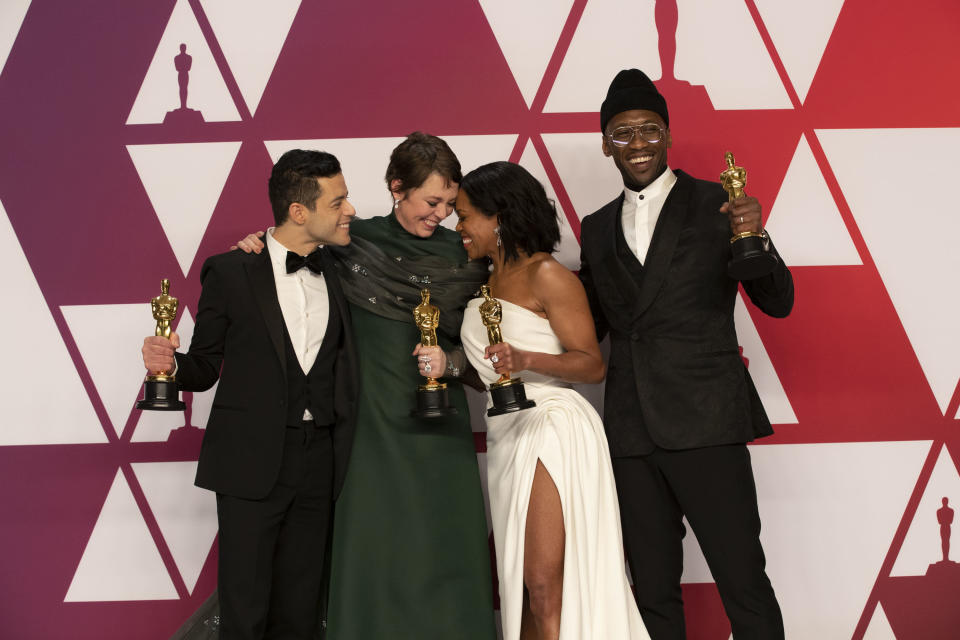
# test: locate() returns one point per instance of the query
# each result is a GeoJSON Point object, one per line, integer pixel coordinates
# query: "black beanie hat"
{"type": "Point", "coordinates": [632, 89]}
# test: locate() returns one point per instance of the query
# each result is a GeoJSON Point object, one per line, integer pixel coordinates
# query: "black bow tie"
{"type": "Point", "coordinates": [295, 262]}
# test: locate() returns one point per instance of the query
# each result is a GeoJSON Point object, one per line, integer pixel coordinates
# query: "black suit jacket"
{"type": "Point", "coordinates": [675, 376]}
{"type": "Point", "coordinates": [238, 339]}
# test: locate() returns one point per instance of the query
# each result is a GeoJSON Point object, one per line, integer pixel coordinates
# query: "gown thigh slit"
{"type": "Point", "coordinates": [544, 544]}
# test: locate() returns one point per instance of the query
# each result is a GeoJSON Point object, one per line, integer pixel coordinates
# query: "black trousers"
{"type": "Point", "coordinates": [272, 550]}
{"type": "Point", "coordinates": [714, 488]}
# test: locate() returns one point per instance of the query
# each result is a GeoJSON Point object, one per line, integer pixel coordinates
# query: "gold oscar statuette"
{"type": "Point", "coordinates": [432, 400]}
{"type": "Point", "coordinates": [160, 388]}
{"type": "Point", "coordinates": [751, 258]}
{"type": "Point", "coordinates": [508, 393]}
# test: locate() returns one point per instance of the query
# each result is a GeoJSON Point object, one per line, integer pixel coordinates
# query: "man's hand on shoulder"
{"type": "Point", "coordinates": [250, 244]}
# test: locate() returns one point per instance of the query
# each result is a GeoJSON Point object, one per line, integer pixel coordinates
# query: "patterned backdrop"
{"type": "Point", "coordinates": [846, 113]}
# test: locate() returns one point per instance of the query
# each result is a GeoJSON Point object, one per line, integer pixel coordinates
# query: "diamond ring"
{"type": "Point", "coordinates": [494, 359]}
{"type": "Point", "coordinates": [427, 368]}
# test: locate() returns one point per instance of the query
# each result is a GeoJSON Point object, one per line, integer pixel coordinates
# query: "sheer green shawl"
{"type": "Point", "coordinates": [384, 268]}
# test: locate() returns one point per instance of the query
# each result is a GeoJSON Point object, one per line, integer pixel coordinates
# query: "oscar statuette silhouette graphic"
{"type": "Point", "coordinates": [945, 518]}
{"type": "Point", "coordinates": [688, 102]}
{"type": "Point", "coordinates": [508, 393]}
{"type": "Point", "coordinates": [160, 388]}
{"type": "Point", "coordinates": [925, 606]}
{"type": "Point", "coordinates": [945, 566]}
{"type": "Point", "coordinates": [432, 398]}
{"type": "Point", "coordinates": [183, 62]}
{"type": "Point", "coordinates": [751, 255]}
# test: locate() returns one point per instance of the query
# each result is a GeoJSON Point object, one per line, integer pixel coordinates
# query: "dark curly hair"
{"type": "Point", "coordinates": [528, 219]}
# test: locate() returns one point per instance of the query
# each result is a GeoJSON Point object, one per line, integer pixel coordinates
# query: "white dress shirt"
{"type": "Point", "coordinates": [305, 305]}
{"type": "Point", "coordinates": [640, 212]}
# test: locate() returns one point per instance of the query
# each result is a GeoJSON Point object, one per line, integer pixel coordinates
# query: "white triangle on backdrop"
{"type": "Point", "coordinates": [710, 36]}
{"type": "Point", "coordinates": [804, 221]}
{"type": "Point", "coordinates": [109, 337]}
{"type": "Point", "coordinates": [120, 561]}
{"type": "Point", "coordinates": [527, 31]}
{"type": "Point", "coordinates": [599, 50]}
{"type": "Point", "coordinates": [910, 226]}
{"type": "Point", "coordinates": [12, 13]}
{"type": "Point", "coordinates": [800, 32]}
{"type": "Point", "coordinates": [764, 376]}
{"type": "Point", "coordinates": [478, 150]}
{"type": "Point", "coordinates": [921, 547]}
{"type": "Point", "coordinates": [568, 251]}
{"type": "Point", "coordinates": [879, 627]}
{"type": "Point", "coordinates": [251, 34]}
{"type": "Point", "coordinates": [155, 426]}
{"type": "Point", "coordinates": [365, 178]}
{"type": "Point", "coordinates": [591, 180]}
{"type": "Point", "coordinates": [823, 526]}
{"type": "Point", "coordinates": [184, 183]}
{"type": "Point", "coordinates": [186, 515]}
{"type": "Point", "coordinates": [718, 46]}
{"type": "Point", "coordinates": [160, 91]}
{"type": "Point", "coordinates": [37, 413]}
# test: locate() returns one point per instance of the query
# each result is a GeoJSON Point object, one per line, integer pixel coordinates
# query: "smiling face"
{"type": "Point", "coordinates": [476, 229]}
{"type": "Point", "coordinates": [640, 162]}
{"type": "Point", "coordinates": [329, 219]}
{"type": "Point", "coordinates": [422, 209]}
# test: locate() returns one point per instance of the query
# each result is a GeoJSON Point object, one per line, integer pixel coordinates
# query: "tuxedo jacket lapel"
{"type": "Point", "coordinates": [339, 301]}
{"type": "Point", "coordinates": [672, 219]}
{"type": "Point", "coordinates": [334, 290]}
{"type": "Point", "coordinates": [260, 272]}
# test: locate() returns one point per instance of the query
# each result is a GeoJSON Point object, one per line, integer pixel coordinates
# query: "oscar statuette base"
{"type": "Point", "coordinates": [751, 259]}
{"type": "Point", "coordinates": [508, 396]}
{"type": "Point", "coordinates": [432, 402]}
{"type": "Point", "coordinates": [160, 395]}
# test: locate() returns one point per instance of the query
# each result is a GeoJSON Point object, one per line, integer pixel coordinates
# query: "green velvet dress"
{"type": "Point", "coordinates": [410, 557]}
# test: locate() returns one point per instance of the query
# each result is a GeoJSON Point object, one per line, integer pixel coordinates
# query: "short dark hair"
{"type": "Point", "coordinates": [528, 219]}
{"type": "Point", "coordinates": [294, 179]}
{"type": "Point", "coordinates": [419, 156]}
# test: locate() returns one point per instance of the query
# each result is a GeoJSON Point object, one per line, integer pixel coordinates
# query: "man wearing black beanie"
{"type": "Point", "coordinates": [680, 405]}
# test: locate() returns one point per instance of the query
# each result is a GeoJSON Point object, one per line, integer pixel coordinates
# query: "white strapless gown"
{"type": "Point", "coordinates": [565, 433]}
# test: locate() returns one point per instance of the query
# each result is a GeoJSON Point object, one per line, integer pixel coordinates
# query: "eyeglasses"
{"type": "Point", "coordinates": [649, 131]}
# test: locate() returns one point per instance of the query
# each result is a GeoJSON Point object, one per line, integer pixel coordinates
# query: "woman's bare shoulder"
{"type": "Point", "coordinates": [547, 272]}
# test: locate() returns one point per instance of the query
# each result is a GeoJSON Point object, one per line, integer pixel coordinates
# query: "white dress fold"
{"type": "Point", "coordinates": [565, 433]}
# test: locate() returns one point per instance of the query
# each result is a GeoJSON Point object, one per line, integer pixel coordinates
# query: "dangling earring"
{"type": "Point", "coordinates": [396, 203]}
{"type": "Point", "coordinates": [497, 231]}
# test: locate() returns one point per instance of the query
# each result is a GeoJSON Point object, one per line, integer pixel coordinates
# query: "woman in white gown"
{"type": "Point", "coordinates": [556, 523]}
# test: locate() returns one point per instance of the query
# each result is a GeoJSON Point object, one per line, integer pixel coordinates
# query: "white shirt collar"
{"type": "Point", "coordinates": [661, 185]}
{"type": "Point", "coordinates": [278, 252]}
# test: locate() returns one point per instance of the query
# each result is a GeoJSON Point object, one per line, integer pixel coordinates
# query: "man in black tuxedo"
{"type": "Point", "coordinates": [274, 328]}
{"type": "Point", "coordinates": [680, 405]}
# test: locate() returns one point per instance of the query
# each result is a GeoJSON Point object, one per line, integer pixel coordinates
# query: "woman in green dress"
{"type": "Point", "coordinates": [410, 554]}
{"type": "Point", "coordinates": [410, 557]}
